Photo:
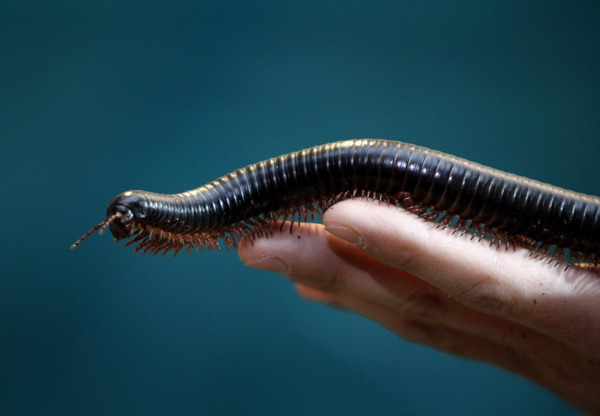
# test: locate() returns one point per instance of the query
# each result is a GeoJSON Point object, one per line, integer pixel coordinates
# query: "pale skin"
{"type": "Point", "coordinates": [447, 291]}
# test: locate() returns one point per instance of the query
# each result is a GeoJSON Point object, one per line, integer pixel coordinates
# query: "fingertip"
{"type": "Point", "coordinates": [244, 249]}
{"type": "Point", "coordinates": [278, 250]}
{"type": "Point", "coordinates": [272, 240]}
{"type": "Point", "coordinates": [263, 253]}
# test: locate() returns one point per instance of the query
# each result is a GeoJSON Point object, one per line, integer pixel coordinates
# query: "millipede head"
{"type": "Point", "coordinates": [121, 218]}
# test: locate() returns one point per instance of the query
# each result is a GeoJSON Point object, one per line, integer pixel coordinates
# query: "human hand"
{"type": "Point", "coordinates": [447, 291]}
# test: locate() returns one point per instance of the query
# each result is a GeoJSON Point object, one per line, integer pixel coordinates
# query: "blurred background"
{"type": "Point", "coordinates": [101, 97]}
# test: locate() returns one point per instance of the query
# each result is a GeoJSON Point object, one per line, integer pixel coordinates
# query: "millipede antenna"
{"type": "Point", "coordinates": [102, 226]}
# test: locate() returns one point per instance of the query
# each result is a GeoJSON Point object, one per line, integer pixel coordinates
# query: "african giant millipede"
{"type": "Point", "coordinates": [498, 206]}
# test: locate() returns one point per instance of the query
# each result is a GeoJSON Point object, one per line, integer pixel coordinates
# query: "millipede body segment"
{"type": "Point", "coordinates": [480, 201]}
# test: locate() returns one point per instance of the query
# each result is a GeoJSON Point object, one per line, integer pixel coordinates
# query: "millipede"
{"type": "Point", "coordinates": [498, 207]}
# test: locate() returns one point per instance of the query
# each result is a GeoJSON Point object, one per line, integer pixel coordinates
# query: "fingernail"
{"type": "Point", "coordinates": [268, 263]}
{"type": "Point", "coordinates": [345, 233]}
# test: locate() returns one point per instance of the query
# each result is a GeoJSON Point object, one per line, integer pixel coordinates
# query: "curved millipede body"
{"type": "Point", "coordinates": [481, 201]}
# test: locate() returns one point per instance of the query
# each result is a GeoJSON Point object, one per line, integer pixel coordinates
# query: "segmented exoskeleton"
{"type": "Point", "coordinates": [502, 208]}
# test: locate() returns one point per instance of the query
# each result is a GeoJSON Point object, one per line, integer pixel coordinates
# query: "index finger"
{"type": "Point", "coordinates": [508, 283]}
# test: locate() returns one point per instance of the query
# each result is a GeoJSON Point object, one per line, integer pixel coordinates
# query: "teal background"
{"type": "Point", "coordinates": [101, 97]}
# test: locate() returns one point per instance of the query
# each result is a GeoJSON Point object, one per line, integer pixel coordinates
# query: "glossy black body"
{"type": "Point", "coordinates": [508, 203]}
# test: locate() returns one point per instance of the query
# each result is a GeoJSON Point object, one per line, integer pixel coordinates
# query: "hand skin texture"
{"type": "Point", "coordinates": [447, 291]}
